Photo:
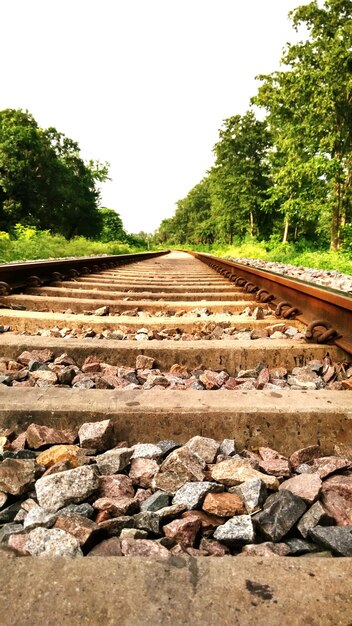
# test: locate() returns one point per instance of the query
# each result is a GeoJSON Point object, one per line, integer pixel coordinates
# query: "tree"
{"type": "Point", "coordinates": [240, 176]}
{"type": "Point", "coordinates": [111, 226]}
{"type": "Point", "coordinates": [25, 157]}
{"type": "Point", "coordinates": [44, 182]}
{"type": "Point", "coordinates": [309, 106]}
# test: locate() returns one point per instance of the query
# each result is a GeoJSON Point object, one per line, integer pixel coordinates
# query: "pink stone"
{"type": "Point", "coordinates": [108, 547]}
{"type": "Point", "coordinates": [183, 530]}
{"type": "Point", "coordinates": [337, 499]}
{"type": "Point", "coordinates": [306, 486]}
{"type": "Point", "coordinates": [263, 378]}
{"type": "Point", "coordinates": [19, 443]}
{"type": "Point", "coordinates": [96, 435]}
{"type": "Point", "coordinates": [213, 380]}
{"type": "Point", "coordinates": [305, 455]}
{"type": "Point", "coordinates": [38, 435]}
{"type": "Point", "coordinates": [142, 494]}
{"type": "Point", "coordinates": [80, 527]}
{"type": "Point", "coordinates": [180, 370]}
{"type": "Point", "coordinates": [273, 463]}
{"type": "Point", "coordinates": [116, 506]}
{"type": "Point", "coordinates": [143, 471]}
{"type": "Point", "coordinates": [181, 466]}
{"type": "Point", "coordinates": [231, 383]}
{"type": "Point", "coordinates": [265, 549]}
{"type": "Point", "coordinates": [330, 464]}
{"type": "Point", "coordinates": [144, 547]}
{"type": "Point", "coordinates": [214, 547]}
{"type": "Point", "coordinates": [43, 356]}
{"type": "Point", "coordinates": [115, 486]}
{"type": "Point", "coordinates": [91, 365]}
{"type": "Point", "coordinates": [144, 362]}
{"type": "Point", "coordinates": [17, 542]}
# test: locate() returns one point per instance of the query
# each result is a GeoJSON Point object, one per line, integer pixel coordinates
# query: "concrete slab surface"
{"type": "Point", "coordinates": [285, 420]}
{"type": "Point", "coordinates": [122, 591]}
{"type": "Point", "coordinates": [229, 354]}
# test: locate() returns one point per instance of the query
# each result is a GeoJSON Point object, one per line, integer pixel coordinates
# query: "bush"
{"type": "Point", "coordinates": [24, 244]}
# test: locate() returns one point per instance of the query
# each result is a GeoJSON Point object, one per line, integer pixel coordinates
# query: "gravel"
{"type": "Point", "coordinates": [206, 509]}
{"type": "Point", "coordinates": [326, 278]}
{"type": "Point", "coordinates": [96, 374]}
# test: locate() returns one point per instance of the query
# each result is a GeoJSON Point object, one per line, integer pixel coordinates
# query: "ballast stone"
{"type": "Point", "coordinates": [114, 461]}
{"type": "Point", "coordinates": [204, 447]}
{"type": "Point", "coordinates": [16, 476]}
{"type": "Point", "coordinates": [237, 531]}
{"type": "Point", "coordinates": [253, 492]}
{"type": "Point", "coordinates": [335, 538]}
{"type": "Point", "coordinates": [52, 542]}
{"type": "Point", "coordinates": [96, 435]}
{"type": "Point", "coordinates": [281, 511]}
{"type": "Point", "coordinates": [72, 486]}
{"type": "Point", "coordinates": [193, 494]}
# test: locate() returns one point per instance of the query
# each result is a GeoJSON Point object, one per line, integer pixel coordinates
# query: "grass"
{"type": "Point", "coordinates": [284, 253]}
{"type": "Point", "coordinates": [42, 245]}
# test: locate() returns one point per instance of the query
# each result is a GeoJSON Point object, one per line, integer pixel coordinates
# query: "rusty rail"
{"type": "Point", "coordinates": [326, 312]}
{"type": "Point", "coordinates": [14, 276]}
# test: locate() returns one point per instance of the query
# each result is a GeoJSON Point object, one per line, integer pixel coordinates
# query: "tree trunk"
{"type": "Point", "coordinates": [285, 236]}
{"type": "Point", "coordinates": [251, 223]}
{"type": "Point", "coordinates": [335, 220]}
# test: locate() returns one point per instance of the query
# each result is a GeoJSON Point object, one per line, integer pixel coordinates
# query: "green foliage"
{"type": "Point", "coordinates": [310, 117]}
{"type": "Point", "coordinates": [289, 176]}
{"type": "Point", "coordinates": [27, 243]}
{"type": "Point", "coordinates": [301, 254]}
{"type": "Point", "coordinates": [43, 180]}
{"type": "Point", "coordinates": [111, 226]}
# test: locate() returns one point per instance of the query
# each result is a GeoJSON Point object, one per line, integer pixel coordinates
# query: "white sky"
{"type": "Point", "coordinates": [143, 84]}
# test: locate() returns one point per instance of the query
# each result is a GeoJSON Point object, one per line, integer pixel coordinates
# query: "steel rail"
{"type": "Point", "coordinates": [325, 312]}
{"type": "Point", "coordinates": [14, 276]}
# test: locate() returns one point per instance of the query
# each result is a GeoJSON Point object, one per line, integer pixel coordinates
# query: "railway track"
{"type": "Point", "coordinates": [230, 353]}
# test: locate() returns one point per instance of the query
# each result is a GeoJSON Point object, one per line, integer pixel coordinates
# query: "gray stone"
{"type": "Point", "coordinates": [252, 492]}
{"type": "Point", "coordinates": [281, 511]}
{"type": "Point", "coordinates": [9, 529]}
{"type": "Point", "coordinates": [147, 520]}
{"type": "Point", "coordinates": [204, 447]}
{"type": "Point", "coordinates": [56, 491]}
{"type": "Point", "coordinates": [133, 533]}
{"type": "Point", "coordinates": [315, 516]}
{"type": "Point", "coordinates": [114, 461]}
{"type": "Point", "coordinates": [96, 435]}
{"type": "Point", "coordinates": [52, 542]}
{"type": "Point", "coordinates": [84, 509]}
{"type": "Point", "coordinates": [172, 511]}
{"type": "Point", "coordinates": [167, 446]}
{"type": "Point", "coordinates": [300, 546]}
{"type": "Point", "coordinates": [39, 517]}
{"type": "Point", "coordinates": [9, 514]}
{"type": "Point", "coordinates": [335, 538]}
{"type": "Point", "coordinates": [236, 531]}
{"type": "Point", "coordinates": [157, 501]}
{"type": "Point", "coordinates": [146, 451]}
{"type": "Point", "coordinates": [227, 447]}
{"type": "Point", "coordinates": [193, 494]}
{"type": "Point", "coordinates": [113, 527]}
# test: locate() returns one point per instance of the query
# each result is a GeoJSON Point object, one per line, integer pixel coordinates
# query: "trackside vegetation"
{"type": "Point", "coordinates": [283, 170]}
